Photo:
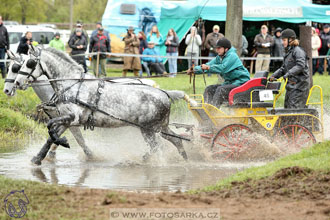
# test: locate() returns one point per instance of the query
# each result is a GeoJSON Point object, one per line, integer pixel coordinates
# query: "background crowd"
{"type": "Point", "coordinates": [99, 43]}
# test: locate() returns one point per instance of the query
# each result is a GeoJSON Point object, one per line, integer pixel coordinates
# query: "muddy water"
{"type": "Point", "coordinates": [118, 164]}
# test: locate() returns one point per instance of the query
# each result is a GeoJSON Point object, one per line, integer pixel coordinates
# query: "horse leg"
{"type": "Point", "coordinates": [52, 126]}
{"type": "Point", "coordinates": [44, 150]}
{"type": "Point", "coordinates": [52, 151]}
{"type": "Point", "coordinates": [174, 140]}
{"type": "Point", "coordinates": [150, 138]}
{"type": "Point", "coordinates": [80, 140]}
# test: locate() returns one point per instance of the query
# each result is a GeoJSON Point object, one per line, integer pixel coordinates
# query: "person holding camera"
{"type": "Point", "coordinates": [132, 46]}
{"type": "Point", "coordinates": [24, 43]}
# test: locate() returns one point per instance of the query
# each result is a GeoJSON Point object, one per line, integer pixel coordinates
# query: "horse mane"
{"type": "Point", "coordinates": [66, 58]}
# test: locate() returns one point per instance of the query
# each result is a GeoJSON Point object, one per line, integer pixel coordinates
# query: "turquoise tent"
{"type": "Point", "coordinates": [182, 16]}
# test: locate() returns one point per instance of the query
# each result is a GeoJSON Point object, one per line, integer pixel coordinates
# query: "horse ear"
{"type": "Point", "coordinates": [10, 54]}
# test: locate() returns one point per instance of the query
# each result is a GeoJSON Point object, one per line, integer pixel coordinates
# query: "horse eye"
{"type": "Point", "coordinates": [15, 68]}
{"type": "Point", "coordinates": [31, 63]}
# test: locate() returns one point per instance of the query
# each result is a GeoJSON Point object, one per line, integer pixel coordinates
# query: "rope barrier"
{"type": "Point", "coordinates": [179, 57]}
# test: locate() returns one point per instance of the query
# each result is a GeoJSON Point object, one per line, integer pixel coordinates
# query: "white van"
{"type": "Point", "coordinates": [42, 35]}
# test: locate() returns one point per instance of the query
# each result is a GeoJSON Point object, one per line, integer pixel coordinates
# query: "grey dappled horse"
{"type": "Point", "coordinates": [44, 91]}
{"type": "Point", "coordinates": [82, 101]}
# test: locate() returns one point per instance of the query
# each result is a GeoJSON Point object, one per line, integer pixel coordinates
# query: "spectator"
{"type": "Point", "coordinates": [132, 45]}
{"type": "Point", "coordinates": [105, 32]}
{"type": "Point", "coordinates": [278, 49]}
{"type": "Point", "coordinates": [316, 44]}
{"type": "Point", "coordinates": [263, 42]}
{"type": "Point", "coordinates": [24, 43]}
{"type": "Point", "coordinates": [80, 26]}
{"type": "Point", "coordinates": [325, 38]}
{"type": "Point", "coordinates": [57, 43]}
{"type": "Point", "coordinates": [100, 44]}
{"type": "Point", "coordinates": [211, 40]}
{"type": "Point", "coordinates": [78, 44]}
{"type": "Point", "coordinates": [155, 37]}
{"type": "Point", "coordinates": [193, 42]}
{"type": "Point", "coordinates": [172, 43]}
{"type": "Point", "coordinates": [143, 45]}
{"type": "Point", "coordinates": [155, 64]}
{"type": "Point", "coordinates": [4, 46]}
{"type": "Point", "coordinates": [244, 48]}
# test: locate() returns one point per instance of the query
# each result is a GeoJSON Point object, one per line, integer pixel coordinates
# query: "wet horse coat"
{"type": "Point", "coordinates": [102, 103]}
{"type": "Point", "coordinates": [44, 92]}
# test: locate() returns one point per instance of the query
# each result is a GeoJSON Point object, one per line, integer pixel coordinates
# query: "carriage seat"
{"type": "Point", "coordinates": [241, 94]}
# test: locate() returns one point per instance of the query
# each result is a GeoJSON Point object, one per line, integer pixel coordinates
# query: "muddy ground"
{"type": "Point", "coordinates": [291, 193]}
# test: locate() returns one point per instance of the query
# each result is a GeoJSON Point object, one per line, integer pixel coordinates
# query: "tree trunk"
{"type": "Point", "coordinates": [234, 23]}
{"type": "Point", "coordinates": [305, 33]}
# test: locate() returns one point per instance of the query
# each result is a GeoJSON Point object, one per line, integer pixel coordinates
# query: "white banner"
{"type": "Point", "coordinates": [279, 12]}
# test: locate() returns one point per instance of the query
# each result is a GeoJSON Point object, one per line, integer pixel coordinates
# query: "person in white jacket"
{"type": "Point", "coordinates": [193, 42]}
{"type": "Point", "coordinates": [316, 44]}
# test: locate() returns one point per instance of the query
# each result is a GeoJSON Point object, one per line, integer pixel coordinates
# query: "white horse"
{"type": "Point", "coordinates": [45, 92]}
{"type": "Point", "coordinates": [83, 100]}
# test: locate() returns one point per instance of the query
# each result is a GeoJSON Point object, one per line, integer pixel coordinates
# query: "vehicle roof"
{"type": "Point", "coordinates": [32, 28]}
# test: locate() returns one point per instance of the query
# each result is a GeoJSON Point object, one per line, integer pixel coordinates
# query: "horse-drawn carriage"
{"type": "Point", "coordinates": [252, 109]}
{"type": "Point", "coordinates": [85, 100]}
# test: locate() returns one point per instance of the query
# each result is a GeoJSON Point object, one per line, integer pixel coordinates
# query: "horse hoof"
{"type": "Point", "coordinates": [63, 142]}
{"type": "Point", "coordinates": [184, 155]}
{"type": "Point", "coordinates": [89, 156]}
{"type": "Point", "coordinates": [52, 155]}
{"type": "Point", "coordinates": [146, 157]}
{"type": "Point", "coordinates": [36, 160]}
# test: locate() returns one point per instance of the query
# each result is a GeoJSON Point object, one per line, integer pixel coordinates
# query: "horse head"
{"type": "Point", "coordinates": [30, 69]}
{"type": "Point", "coordinates": [15, 64]}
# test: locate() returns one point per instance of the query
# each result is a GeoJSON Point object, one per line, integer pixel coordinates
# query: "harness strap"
{"type": "Point", "coordinates": [28, 74]}
{"type": "Point", "coordinates": [94, 108]}
{"type": "Point", "coordinates": [90, 124]}
{"type": "Point", "coordinates": [9, 80]}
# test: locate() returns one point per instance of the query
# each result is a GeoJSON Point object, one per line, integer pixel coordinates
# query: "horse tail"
{"type": "Point", "coordinates": [175, 94]}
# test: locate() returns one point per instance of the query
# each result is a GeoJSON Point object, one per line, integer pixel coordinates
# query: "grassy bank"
{"type": "Point", "coordinates": [315, 158]}
{"type": "Point", "coordinates": [16, 127]}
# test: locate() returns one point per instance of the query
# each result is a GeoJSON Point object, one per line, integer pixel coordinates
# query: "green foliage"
{"type": "Point", "coordinates": [52, 10]}
{"type": "Point", "coordinates": [24, 101]}
{"type": "Point", "coordinates": [14, 125]}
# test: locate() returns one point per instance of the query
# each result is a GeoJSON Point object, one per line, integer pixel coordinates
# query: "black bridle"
{"type": "Point", "coordinates": [32, 64]}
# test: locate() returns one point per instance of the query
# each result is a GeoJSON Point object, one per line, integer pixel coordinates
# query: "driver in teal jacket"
{"type": "Point", "coordinates": [228, 65]}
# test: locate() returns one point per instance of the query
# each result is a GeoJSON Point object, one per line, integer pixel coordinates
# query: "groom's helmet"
{"type": "Point", "coordinates": [223, 42]}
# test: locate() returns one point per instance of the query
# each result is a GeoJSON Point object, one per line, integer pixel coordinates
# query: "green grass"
{"type": "Point", "coordinates": [15, 126]}
{"type": "Point", "coordinates": [316, 158]}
